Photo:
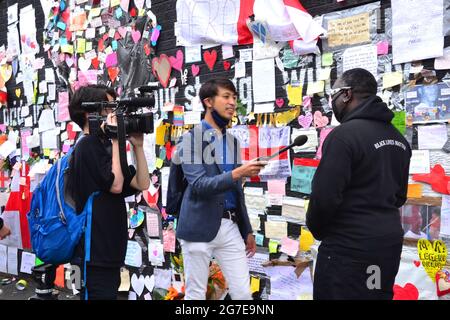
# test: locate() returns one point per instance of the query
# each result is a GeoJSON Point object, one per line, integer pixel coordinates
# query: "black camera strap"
{"type": "Point", "coordinates": [121, 137]}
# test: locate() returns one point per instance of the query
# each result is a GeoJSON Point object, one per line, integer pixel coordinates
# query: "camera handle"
{"type": "Point", "coordinates": [121, 138]}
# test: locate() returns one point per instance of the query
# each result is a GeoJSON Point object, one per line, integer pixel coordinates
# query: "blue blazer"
{"type": "Point", "coordinates": [203, 201]}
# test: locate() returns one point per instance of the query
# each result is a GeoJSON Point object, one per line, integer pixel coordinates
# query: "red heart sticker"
{"type": "Point", "coordinates": [95, 62]}
{"type": "Point", "coordinates": [117, 36]}
{"type": "Point", "coordinates": [226, 65]}
{"type": "Point", "coordinates": [101, 45]}
{"type": "Point", "coordinates": [408, 292]}
{"type": "Point", "coordinates": [68, 34]}
{"type": "Point", "coordinates": [147, 49]}
{"type": "Point", "coordinates": [70, 133]}
{"type": "Point", "coordinates": [417, 263]}
{"type": "Point", "coordinates": [113, 72]}
{"type": "Point", "coordinates": [210, 58]}
{"type": "Point", "coordinates": [105, 36]}
{"type": "Point", "coordinates": [133, 12]}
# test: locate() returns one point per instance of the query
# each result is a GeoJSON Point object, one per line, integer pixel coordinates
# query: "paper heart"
{"type": "Point", "coordinates": [417, 263]}
{"type": "Point", "coordinates": [95, 62]}
{"type": "Point", "coordinates": [177, 62]}
{"type": "Point", "coordinates": [137, 283]}
{"type": "Point", "coordinates": [111, 60]}
{"type": "Point", "coordinates": [139, 4]}
{"type": "Point", "coordinates": [136, 35]}
{"type": "Point", "coordinates": [117, 36]}
{"type": "Point", "coordinates": [147, 49]}
{"type": "Point", "coordinates": [149, 282]}
{"type": "Point", "coordinates": [65, 16]}
{"type": "Point", "coordinates": [122, 31]}
{"type": "Point", "coordinates": [113, 72]}
{"type": "Point", "coordinates": [195, 70]}
{"type": "Point", "coordinates": [69, 61]}
{"type": "Point", "coordinates": [279, 102]}
{"type": "Point", "coordinates": [68, 34]}
{"type": "Point", "coordinates": [408, 292]}
{"type": "Point", "coordinates": [442, 283]}
{"type": "Point", "coordinates": [305, 120]}
{"type": "Point", "coordinates": [133, 12]}
{"type": "Point", "coordinates": [101, 45]}
{"type": "Point", "coordinates": [320, 120]}
{"type": "Point", "coordinates": [226, 65]}
{"type": "Point", "coordinates": [18, 92]}
{"type": "Point", "coordinates": [83, 64]}
{"type": "Point", "coordinates": [432, 255]}
{"type": "Point", "coordinates": [105, 36]}
{"type": "Point", "coordinates": [210, 58]}
{"type": "Point", "coordinates": [155, 252]}
{"type": "Point", "coordinates": [6, 72]}
{"type": "Point", "coordinates": [162, 68]}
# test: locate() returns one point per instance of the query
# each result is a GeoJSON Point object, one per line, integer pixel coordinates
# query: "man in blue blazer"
{"type": "Point", "coordinates": [213, 219]}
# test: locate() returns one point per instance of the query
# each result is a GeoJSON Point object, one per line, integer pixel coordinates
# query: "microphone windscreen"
{"type": "Point", "coordinates": [300, 140]}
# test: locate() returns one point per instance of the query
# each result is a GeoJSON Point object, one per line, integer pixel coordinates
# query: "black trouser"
{"type": "Point", "coordinates": [344, 275]}
{"type": "Point", "coordinates": [101, 283]}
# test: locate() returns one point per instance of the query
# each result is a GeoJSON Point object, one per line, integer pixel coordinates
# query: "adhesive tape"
{"type": "Point", "coordinates": [21, 285]}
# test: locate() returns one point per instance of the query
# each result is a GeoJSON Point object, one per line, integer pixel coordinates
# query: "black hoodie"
{"type": "Point", "coordinates": [361, 181]}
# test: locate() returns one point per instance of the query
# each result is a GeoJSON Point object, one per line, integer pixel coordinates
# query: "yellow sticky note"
{"type": "Point", "coordinates": [67, 48]}
{"type": "Point", "coordinates": [273, 246]}
{"type": "Point", "coordinates": [159, 163]}
{"type": "Point", "coordinates": [141, 12]}
{"type": "Point", "coordinates": [315, 87]}
{"type": "Point", "coordinates": [88, 46]}
{"type": "Point", "coordinates": [294, 95]}
{"type": "Point", "coordinates": [327, 59]}
{"type": "Point", "coordinates": [306, 239]}
{"type": "Point", "coordinates": [115, 3]}
{"type": "Point", "coordinates": [81, 45]}
{"type": "Point", "coordinates": [254, 284]}
{"type": "Point", "coordinates": [160, 135]}
{"type": "Point", "coordinates": [392, 79]}
{"type": "Point", "coordinates": [324, 74]}
{"type": "Point", "coordinates": [95, 12]}
{"type": "Point", "coordinates": [46, 152]}
{"type": "Point", "coordinates": [414, 190]}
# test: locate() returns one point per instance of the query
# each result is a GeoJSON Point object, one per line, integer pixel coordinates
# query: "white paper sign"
{"type": "Point", "coordinates": [263, 80]}
{"type": "Point", "coordinates": [134, 254]}
{"type": "Point", "coordinates": [420, 162]}
{"type": "Point", "coordinates": [361, 57]}
{"type": "Point", "coordinates": [28, 261]}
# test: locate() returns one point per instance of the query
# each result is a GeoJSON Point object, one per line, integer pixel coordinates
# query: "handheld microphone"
{"type": "Point", "coordinates": [299, 141]}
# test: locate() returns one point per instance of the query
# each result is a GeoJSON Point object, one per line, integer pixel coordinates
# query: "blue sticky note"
{"type": "Point", "coordinates": [118, 13]}
{"type": "Point", "coordinates": [162, 153]}
{"type": "Point", "coordinates": [62, 41]}
{"type": "Point", "coordinates": [301, 178]}
{"type": "Point", "coordinates": [259, 238]}
{"type": "Point", "coordinates": [114, 45]}
{"type": "Point", "coordinates": [61, 25]}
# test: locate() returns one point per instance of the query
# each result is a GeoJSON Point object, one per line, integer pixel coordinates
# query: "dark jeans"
{"type": "Point", "coordinates": [349, 275]}
{"type": "Point", "coordinates": [101, 283]}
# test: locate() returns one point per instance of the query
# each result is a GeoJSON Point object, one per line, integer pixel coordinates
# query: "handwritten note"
{"type": "Point", "coordinates": [349, 31]}
{"type": "Point", "coordinates": [420, 162]}
{"type": "Point", "coordinates": [361, 57]}
{"type": "Point", "coordinates": [432, 137]}
{"type": "Point", "coordinates": [134, 254]}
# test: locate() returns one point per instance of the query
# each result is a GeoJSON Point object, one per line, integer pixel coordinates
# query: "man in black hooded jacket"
{"type": "Point", "coordinates": [356, 193]}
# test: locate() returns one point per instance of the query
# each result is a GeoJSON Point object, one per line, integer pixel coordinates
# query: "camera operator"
{"type": "Point", "coordinates": [95, 166]}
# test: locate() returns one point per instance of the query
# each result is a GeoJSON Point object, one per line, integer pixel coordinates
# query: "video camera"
{"type": "Point", "coordinates": [130, 109]}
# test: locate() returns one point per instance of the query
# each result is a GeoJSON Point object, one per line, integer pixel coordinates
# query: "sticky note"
{"type": "Point", "coordinates": [315, 87]}
{"type": "Point", "coordinates": [414, 190]}
{"type": "Point", "coordinates": [276, 187]}
{"type": "Point", "coordinates": [399, 121]}
{"type": "Point", "coordinates": [88, 46]}
{"type": "Point", "coordinates": [160, 135]}
{"type": "Point", "coordinates": [46, 152]}
{"type": "Point", "coordinates": [259, 239]}
{"type": "Point", "coordinates": [273, 246]}
{"type": "Point", "coordinates": [114, 45]}
{"type": "Point", "coordinates": [306, 239]}
{"type": "Point", "coordinates": [327, 59]}
{"type": "Point", "coordinates": [254, 284]}
{"type": "Point", "coordinates": [392, 79]}
{"type": "Point", "coordinates": [67, 49]}
{"type": "Point", "coordinates": [81, 45]}
{"type": "Point", "coordinates": [118, 13]}
{"type": "Point", "coordinates": [61, 25]}
{"type": "Point", "coordinates": [294, 95]}
{"type": "Point", "coordinates": [382, 47]}
{"type": "Point", "coordinates": [159, 163]}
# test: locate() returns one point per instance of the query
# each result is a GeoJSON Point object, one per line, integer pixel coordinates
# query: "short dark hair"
{"type": "Point", "coordinates": [89, 93]}
{"type": "Point", "coordinates": [211, 87]}
{"type": "Point", "coordinates": [361, 81]}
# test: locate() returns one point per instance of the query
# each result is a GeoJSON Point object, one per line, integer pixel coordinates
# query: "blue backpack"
{"type": "Point", "coordinates": [55, 227]}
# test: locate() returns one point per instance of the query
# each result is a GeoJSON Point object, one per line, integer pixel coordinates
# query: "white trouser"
{"type": "Point", "coordinates": [228, 248]}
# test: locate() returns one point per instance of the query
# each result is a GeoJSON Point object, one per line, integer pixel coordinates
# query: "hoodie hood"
{"type": "Point", "coordinates": [373, 108]}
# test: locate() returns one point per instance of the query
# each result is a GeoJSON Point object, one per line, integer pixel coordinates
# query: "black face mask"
{"type": "Point", "coordinates": [339, 115]}
{"type": "Point", "coordinates": [219, 120]}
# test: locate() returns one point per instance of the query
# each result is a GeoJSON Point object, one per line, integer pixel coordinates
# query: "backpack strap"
{"type": "Point", "coordinates": [58, 193]}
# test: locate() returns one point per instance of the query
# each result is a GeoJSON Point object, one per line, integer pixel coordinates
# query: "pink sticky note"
{"type": "Point", "coordinates": [63, 106]}
{"type": "Point", "coordinates": [87, 77]}
{"type": "Point", "coordinates": [111, 60]}
{"type": "Point", "coordinates": [382, 47]}
{"type": "Point", "coordinates": [276, 187]}
{"type": "Point", "coordinates": [323, 134]}
{"type": "Point", "coordinates": [169, 240]}
{"type": "Point", "coordinates": [289, 246]}
{"type": "Point", "coordinates": [23, 137]}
